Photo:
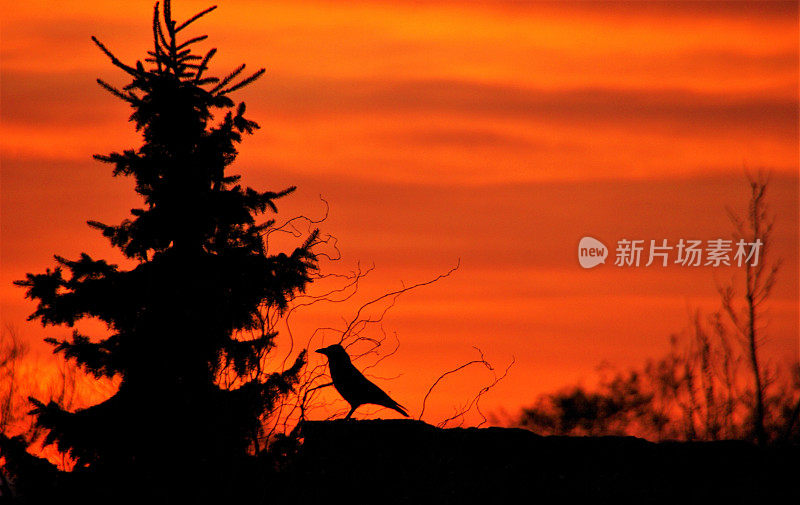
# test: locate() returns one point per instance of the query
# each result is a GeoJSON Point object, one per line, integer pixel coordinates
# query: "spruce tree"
{"type": "Point", "coordinates": [202, 274]}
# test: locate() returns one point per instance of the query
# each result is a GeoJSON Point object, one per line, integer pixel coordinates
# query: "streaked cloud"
{"type": "Point", "coordinates": [497, 132]}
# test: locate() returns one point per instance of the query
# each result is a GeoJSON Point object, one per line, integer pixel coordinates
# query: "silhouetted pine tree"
{"type": "Point", "coordinates": [203, 271]}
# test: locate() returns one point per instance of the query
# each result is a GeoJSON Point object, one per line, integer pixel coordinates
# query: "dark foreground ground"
{"type": "Point", "coordinates": [375, 462]}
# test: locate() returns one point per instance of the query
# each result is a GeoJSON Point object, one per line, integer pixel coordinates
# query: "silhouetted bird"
{"type": "Point", "coordinates": [352, 385]}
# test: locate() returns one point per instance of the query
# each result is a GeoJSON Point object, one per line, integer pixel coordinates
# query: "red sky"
{"type": "Point", "coordinates": [497, 133]}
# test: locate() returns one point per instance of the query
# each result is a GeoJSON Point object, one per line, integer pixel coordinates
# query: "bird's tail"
{"type": "Point", "coordinates": [400, 409]}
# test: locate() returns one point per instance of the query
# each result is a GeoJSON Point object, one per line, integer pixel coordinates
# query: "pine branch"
{"type": "Point", "coordinates": [244, 82]}
{"type": "Point", "coordinates": [203, 66]}
{"type": "Point", "coordinates": [157, 49]}
{"type": "Point", "coordinates": [169, 22]}
{"type": "Point", "coordinates": [114, 91]}
{"type": "Point", "coordinates": [193, 40]}
{"type": "Point", "coordinates": [194, 18]}
{"type": "Point", "coordinates": [114, 59]}
{"type": "Point", "coordinates": [161, 38]}
{"type": "Point", "coordinates": [227, 79]}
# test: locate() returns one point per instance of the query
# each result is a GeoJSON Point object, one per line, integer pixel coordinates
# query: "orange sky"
{"type": "Point", "coordinates": [499, 133]}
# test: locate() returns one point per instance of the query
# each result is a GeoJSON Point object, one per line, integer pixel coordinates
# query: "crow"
{"type": "Point", "coordinates": [352, 385]}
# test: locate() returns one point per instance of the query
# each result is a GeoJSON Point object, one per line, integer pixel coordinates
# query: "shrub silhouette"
{"type": "Point", "coordinates": [707, 387]}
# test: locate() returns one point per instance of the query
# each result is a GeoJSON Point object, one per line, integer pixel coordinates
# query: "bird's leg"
{"type": "Point", "coordinates": [349, 414]}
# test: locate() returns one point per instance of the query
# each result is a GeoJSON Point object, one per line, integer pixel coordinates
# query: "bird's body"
{"type": "Point", "coordinates": [356, 389]}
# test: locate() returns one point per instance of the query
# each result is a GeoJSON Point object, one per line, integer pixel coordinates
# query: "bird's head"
{"type": "Point", "coordinates": [331, 351]}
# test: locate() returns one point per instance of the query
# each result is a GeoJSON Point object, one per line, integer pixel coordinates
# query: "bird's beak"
{"type": "Point", "coordinates": [321, 351]}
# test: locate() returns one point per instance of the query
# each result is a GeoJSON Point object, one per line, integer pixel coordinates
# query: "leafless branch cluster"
{"type": "Point", "coordinates": [22, 376]}
{"type": "Point", "coordinates": [363, 334]}
{"type": "Point", "coordinates": [12, 352]}
{"type": "Point", "coordinates": [707, 387]}
{"type": "Point", "coordinates": [747, 317]}
{"type": "Point", "coordinates": [474, 402]}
